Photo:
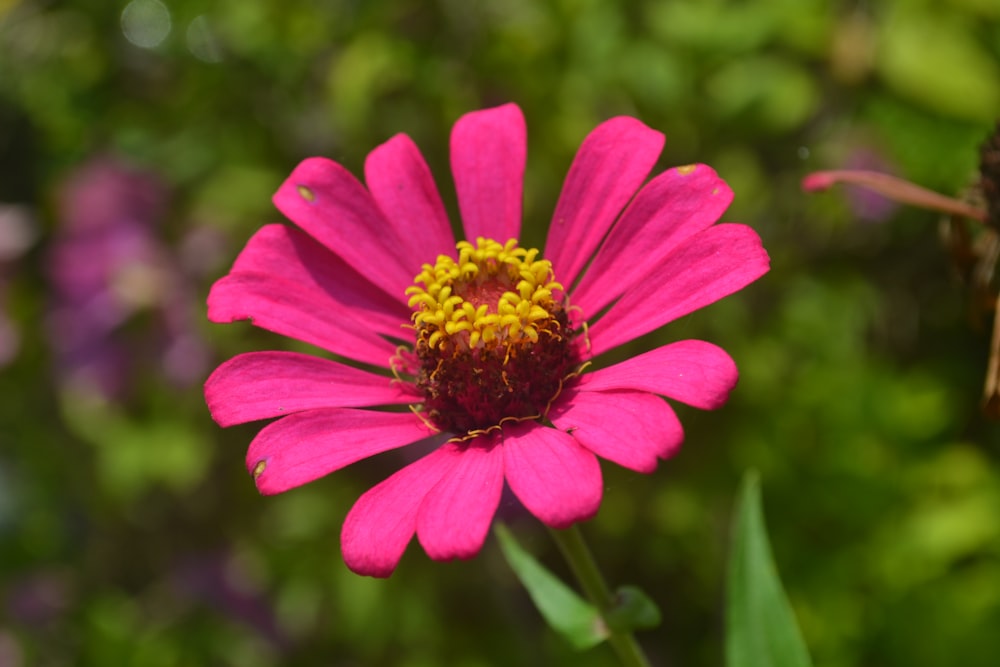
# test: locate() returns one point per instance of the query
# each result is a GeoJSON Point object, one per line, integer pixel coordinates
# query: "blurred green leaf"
{"type": "Point", "coordinates": [761, 627]}
{"type": "Point", "coordinates": [776, 91]}
{"type": "Point", "coordinates": [712, 26]}
{"type": "Point", "coordinates": [133, 455]}
{"type": "Point", "coordinates": [633, 610]}
{"type": "Point", "coordinates": [933, 59]}
{"type": "Point", "coordinates": [565, 611]}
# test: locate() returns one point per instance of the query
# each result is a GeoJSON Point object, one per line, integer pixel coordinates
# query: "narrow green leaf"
{"type": "Point", "coordinates": [761, 628]}
{"type": "Point", "coordinates": [565, 611]}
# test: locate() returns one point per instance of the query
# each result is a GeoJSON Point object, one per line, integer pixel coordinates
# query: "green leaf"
{"type": "Point", "coordinates": [632, 610]}
{"type": "Point", "coordinates": [565, 611]}
{"type": "Point", "coordinates": [957, 77]}
{"type": "Point", "coordinates": [761, 629]}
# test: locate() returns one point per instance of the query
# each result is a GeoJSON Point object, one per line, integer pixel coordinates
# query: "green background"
{"type": "Point", "coordinates": [130, 533]}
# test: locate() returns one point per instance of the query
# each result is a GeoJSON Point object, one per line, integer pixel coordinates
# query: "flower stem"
{"type": "Point", "coordinates": [584, 567]}
{"type": "Point", "coordinates": [894, 188]}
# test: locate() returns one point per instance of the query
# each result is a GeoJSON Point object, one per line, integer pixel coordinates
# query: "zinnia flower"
{"type": "Point", "coordinates": [487, 342]}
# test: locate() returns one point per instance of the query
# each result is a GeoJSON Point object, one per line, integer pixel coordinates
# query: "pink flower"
{"type": "Point", "coordinates": [490, 342]}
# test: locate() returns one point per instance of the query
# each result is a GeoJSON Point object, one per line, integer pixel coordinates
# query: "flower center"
{"type": "Point", "coordinates": [493, 339]}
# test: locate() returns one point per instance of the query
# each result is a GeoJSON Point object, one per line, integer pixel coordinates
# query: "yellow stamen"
{"type": "Point", "coordinates": [493, 294]}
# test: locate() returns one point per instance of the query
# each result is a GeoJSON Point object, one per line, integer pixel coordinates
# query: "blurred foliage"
{"type": "Point", "coordinates": [129, 531]}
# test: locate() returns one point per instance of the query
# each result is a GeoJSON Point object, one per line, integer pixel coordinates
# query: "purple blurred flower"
{"type": "Point", "coordinates": [38, 599]}
{"type": "Point", "coordinates": [867, 205]}
{"type": "Point", "coordinates": [106, 264]}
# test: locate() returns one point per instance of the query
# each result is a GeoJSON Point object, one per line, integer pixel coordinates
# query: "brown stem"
{"type": "Point", "coordinates": [894, 188]}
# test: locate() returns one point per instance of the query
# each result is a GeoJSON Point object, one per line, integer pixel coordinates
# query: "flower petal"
{"type": "Point", "coordinates": [261, 385]}
{"type": "Point", "coordinates": [380, 525]}
{"type": "Point", "coordinates": [292, 255]}
{"type": "Point", "coordinates": [292, 310]}
{"type": "Point", "coordinates": [691, 371]}
{"type": "Point", "coordinates": [611, 164]}
{"type": "Point", "coordinates": [457, 512]}
{"type": "Point", "coordinates": [632, 428]}
{"type": "Point", "coordinates": [403, 187]}
{"type": "Point", "coordinates": [708, 266]}
{"type": "Point", "coordinates": [673, 206]}
{"type": "Point", "coordinates": [305, 446]}
{"type": "Point", "coordinates": [331, 205]}
{"type": "Point", "coordinates": [551, 474]}
{"type": "Point", "coordinates": [488, 152]}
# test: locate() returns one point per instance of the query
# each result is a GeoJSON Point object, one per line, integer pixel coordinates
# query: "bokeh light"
{"type": "Point", "coordinates": [146, 23]}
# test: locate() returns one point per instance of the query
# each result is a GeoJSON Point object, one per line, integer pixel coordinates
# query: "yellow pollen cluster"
{"type": "Point", "coordinates": [494, 294]}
